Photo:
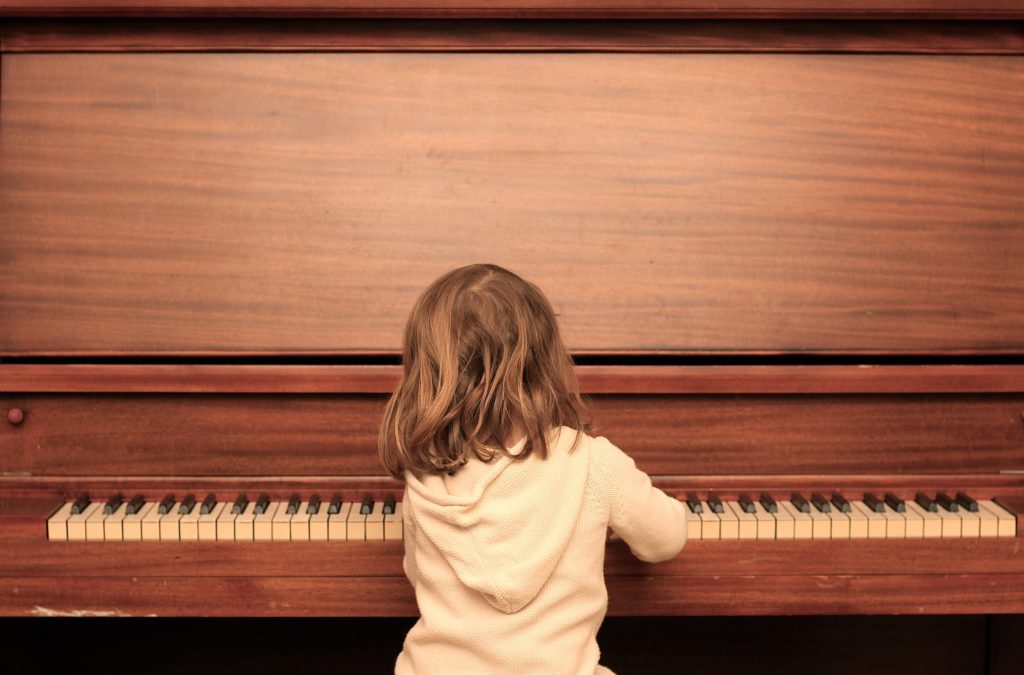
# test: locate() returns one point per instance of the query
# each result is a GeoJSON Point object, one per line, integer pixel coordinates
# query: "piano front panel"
{"type": "Point", "coordinates": [296, 203]}
{"type": "Point", "coordinates": [163, 434]}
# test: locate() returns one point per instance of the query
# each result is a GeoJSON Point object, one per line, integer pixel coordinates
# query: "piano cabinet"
{"type": "Point", "coordinates": [783, 243]}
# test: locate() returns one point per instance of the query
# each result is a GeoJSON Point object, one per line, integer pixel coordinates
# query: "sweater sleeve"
{"type": "Point", "coordinates": [652, 523]}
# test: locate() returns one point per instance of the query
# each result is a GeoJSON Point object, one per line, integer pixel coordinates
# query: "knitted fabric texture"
{"type": "Point", "coordinates": [507, 557]}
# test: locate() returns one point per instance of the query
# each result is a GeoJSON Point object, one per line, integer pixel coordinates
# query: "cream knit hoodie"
{"type": "Point", "coordinates": [507, 557]}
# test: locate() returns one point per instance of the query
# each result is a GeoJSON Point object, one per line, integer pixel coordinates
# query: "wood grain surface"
{"type": "Point", "coordinates": [325, 435]}
{"type": "Point", "coordinates": [695, 9]}
{"type": "Point", "coordinates": [681, 203]}
{"type": "Point", "coordinates": [511, 35]}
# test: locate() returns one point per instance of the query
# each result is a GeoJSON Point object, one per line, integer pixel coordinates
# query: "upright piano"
{"type": "Point", "coordinates": [785, 241]}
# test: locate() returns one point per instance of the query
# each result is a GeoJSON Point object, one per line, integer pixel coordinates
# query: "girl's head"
{"type": "Point", "coordinates": [482, 359]}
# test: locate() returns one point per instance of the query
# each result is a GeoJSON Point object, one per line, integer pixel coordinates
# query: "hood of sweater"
{"type": "Point", "coordinates": [504, 536]}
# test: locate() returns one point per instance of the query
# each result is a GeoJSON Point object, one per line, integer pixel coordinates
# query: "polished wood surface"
{"type": "Point", "coordinates": [639, 36]}
{"type": "Point", "coordinates": [579, 9]}
{"type": "Point", "coordinates": [719, 203]}
{"type": "Point", "coordinates": [292, 435]}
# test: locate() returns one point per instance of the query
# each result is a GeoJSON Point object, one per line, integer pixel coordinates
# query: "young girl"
{"type": "Point", "coordinates": [507, 500]}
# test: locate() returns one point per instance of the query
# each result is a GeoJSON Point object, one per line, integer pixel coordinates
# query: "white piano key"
{"type": "Point", "coordinates": [263, 523]}
{"type": "Point", "coordinates": [131, 526]}
{"type": "Point", "coordinates": [206, 528]}
{"type": "Point", "coordinates": [895, 524]}
{"type": "Point", "coordinates": [729, 524]}
{"type": "Point", "coordinates": [226, 522]}
{"type": "Point", "coordinates": [113, 524]}
{"type": "Point", "coordinates": [785, 525]}
{"type": "Point", "coordinates": [915, 522]}
{"type": "Point", "coordinates": [970, 523]}
{"type": "Point", "coordinates": [300, 523]}
{"type": "Point", "coordinates": [281, 525]}
{"type": "Point", "coordinates": [840, 524]}
{"type": "Point", "coordinates": [375, 522]}
{"type": "Point", "coordinates": [932, 521]}
{"type": "Point", "coordinates": [710, 524]}
{"type": "Point", "coordinates": [318, 524]}
{"type": "Point", "coordinates": [393, 524]}
{"type": "Point", "coordinates": [170, 524]}
{"type": "Point", "coordinates": [693, 523]}
{"type": "Point", "coordinates": [94, 525]}
{"type": "Point", "coordinates": [803, 526]}
{"type": "Point", "coordinates": [821, 524]}
{"type": "Point", "coordinates": [76, 522]}
{"type": "Point", "coordinates": [951, 524]}
{"type": "Point", "coordinates": [765, 522]}
{"type": "Point", "coordinates": [746, 523]}
{"type": "Point", "coordinates": [188, 524]}
{"type": "Point", "coordinates": [876, 521]}
{"type": "Point", "coordinates": [1006, 521]}
{"type": "Point", "coordinates": [355, 526]}
{"type": "Point", "coordinates": [337, 523]}
{"type": "Point", "coordinates": [57, 524]}
{"type": "Point", "coordinates": [244, 523]}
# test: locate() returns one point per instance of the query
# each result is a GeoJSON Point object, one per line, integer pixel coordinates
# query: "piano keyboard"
{"type": "Point", "coordinates": [240, 520]}
{"type": "Point", "coordinates": [835, 517]}
{"type": "Point", "coordinates": [820, 517]}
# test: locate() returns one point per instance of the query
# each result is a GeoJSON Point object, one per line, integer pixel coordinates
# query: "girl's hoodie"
{"type": "Point", "coordinates": [507, 557]}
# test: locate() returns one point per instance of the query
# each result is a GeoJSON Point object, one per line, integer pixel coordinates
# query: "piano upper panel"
{"type": "Point", "coordinates": [164, 420]}
{"type": "Point", "coordinates": [296, 203]}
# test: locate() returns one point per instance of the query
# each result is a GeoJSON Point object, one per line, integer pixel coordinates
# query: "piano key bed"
{"type": "Point", "coordinates": [310, 518]}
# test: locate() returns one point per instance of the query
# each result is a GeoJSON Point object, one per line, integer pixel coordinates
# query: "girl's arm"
{"type": "Point", "coordinates": [651, 522]}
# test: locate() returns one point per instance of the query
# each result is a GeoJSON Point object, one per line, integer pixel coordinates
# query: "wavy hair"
{"type": "Point", "coordinates": [482, 357]}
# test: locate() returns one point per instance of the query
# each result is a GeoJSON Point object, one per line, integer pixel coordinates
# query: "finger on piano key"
{"type": "Point", "coordinates": [131, 527]}
{"type": "Point", "coordinates": [393, 525]}
{"type": "Point", "coordinates": [729, 524]}
{"type": "Point", "coordinates": [1006, 520]}
{"type": "Point", "coordinates": [300, 523]}
{"type": "Point", "coordinates": [57, 524]}
{"type": "Point", "coordinates": [337, 523]}
{"type": "Point", "coordinates": [281, 524]}
{"type": "Point", "coordinates": [263, 523]}
{"type": "Point", "coordinates": [710, 523]}
{"type": "Point", "coordinates": [375, 522]}
{"type": "Point", "coordinates": [785, 526]}
{"type": "Point", "coordinates": [244, 523]}
{"type": "Point", "coordinates": [765, 522]}
{"type": "Point", "coordinates": [803, 527]}
{"type": "Point", "coordinates": [209, 521]}
{"type": "Point", "coordinates": [932, 523]}
{"type": "Point", "coordinates": [113, 524]}
{"type": "Point", "coordinates": [875, 521]}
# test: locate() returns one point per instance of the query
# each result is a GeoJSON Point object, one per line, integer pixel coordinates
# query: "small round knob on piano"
{"type": "Point", "coordinates": [15, 415]}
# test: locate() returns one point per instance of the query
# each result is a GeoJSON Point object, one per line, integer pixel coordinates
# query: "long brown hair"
{"type": "Point", "coordinates": [481, 356]}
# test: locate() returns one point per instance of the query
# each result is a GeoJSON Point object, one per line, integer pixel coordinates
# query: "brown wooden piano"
{"type": "Point", "coordinates": [785, 241]}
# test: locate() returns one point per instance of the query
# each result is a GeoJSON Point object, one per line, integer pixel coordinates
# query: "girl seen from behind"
{"type": "Point", "coordinates": [507, 499]}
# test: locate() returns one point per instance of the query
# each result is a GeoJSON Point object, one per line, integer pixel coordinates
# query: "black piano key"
{"type": "Point", "coordinates": [334, 506]}
{"type": "Point", "coordinates": [821, 503]}
{"type": "Point", "coordinates": [715, 504]}
{"type": "Point", "coordinates": [366, 507]}
{"type": "Point", "coordinates": [874, 503]}
{"type": "Point", "coordinates": [262, 502]}
{"type": "Point", "coordinates": [746, 503]}
{"type": "Point", "coordinates": [208, 505]}
{"type": "Point", "coordinates": [389, 505]}
{"type": "Point", "coordinates": [895, 503]}
{"type": "Point", "coordinates": [801, 504]}
{"type": "Point", "coordinates": [925, 502]}
{"type": "Point", "coordinates": [241, 502]}
{"type": "Point", "coordinates": [841, 503]}
{"type": "Point", "coordinates": [188, 503]}
{"type": "Point", "coordinates": [135, 505]}
{"type": "Point", "coordinates": [945, 502]}
{"type": "Point", "coordinates": [293, 505]}
{"type": "Point", "coordinates": [966, 502]}
{"type": "Point", "coordinates": [113, 504]}
{"type": "Point", "coordinates": [768, 502]}
{"type": "Point", "coordinates": [694, 503]}
{"type": "Point", "coordinates": [81, 504]}
{"type": "Point", "coordinates": [313, 507]}
{"type": "Point", "coordinates": [166, 504]}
